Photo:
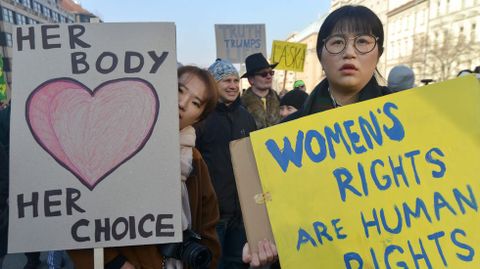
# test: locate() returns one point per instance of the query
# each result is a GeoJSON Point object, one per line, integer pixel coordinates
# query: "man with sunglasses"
{"type": "Point", "coordinates": [260, 99]}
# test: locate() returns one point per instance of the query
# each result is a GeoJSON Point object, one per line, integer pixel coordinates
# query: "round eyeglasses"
{"type": "Point", "coordinates": [363, 43]}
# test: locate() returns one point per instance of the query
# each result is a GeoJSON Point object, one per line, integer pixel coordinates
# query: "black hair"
{"type": "Point", "coordinates": [356, 19]}
{"type": "Point", "coordinates": [464, 71]}
{"type": "Point", "coordinates": [210, 84]}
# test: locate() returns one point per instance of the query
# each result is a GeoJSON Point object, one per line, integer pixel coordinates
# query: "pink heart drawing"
{"type": "Point", "coordinates": [92, 133]}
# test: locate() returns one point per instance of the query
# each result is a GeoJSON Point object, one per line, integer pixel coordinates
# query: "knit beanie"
{"type": "Point", "coordinates": [222, 68]}
{"type": "Point", "coordinates": [401, 78]}
{"type": "Point", "coordinates": [294, 98]}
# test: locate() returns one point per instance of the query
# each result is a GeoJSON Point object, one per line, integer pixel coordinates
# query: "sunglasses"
{"type": "Point", "coordinates": [265, 74]}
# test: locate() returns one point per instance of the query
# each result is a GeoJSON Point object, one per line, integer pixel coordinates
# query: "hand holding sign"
{"type": "Point", "coordinates": [267, 254]}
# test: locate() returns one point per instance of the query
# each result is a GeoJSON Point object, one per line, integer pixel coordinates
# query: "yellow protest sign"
{"type": "Point", "coordinates": [387, 183]}
{"type": "Point", "coordinates": [288, 55]}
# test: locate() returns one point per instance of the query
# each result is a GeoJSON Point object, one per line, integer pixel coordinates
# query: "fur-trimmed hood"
{"type": "Point", "coordinates": [254, 104]}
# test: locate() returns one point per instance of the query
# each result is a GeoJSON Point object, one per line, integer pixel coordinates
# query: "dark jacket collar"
{"type": "Point", "coordinates": [223, 107]}
{"type": "Point", "coordinates": [320, 99]}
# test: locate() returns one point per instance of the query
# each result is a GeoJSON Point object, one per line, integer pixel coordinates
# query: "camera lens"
{"type": "Point", "coordinates": [189, 251]}
{"type": "Point", "coordinates": [196, 255]}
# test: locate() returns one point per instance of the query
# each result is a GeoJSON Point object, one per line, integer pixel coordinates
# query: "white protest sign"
{"type": "Point", "coordinates": [236, 41]}
{"type": "Point", "coordinates": [94, 158]}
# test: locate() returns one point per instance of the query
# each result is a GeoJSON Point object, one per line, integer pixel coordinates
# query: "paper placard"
{"type": "Point", "coordinates": [289, 55]}
{"type": "Point", "coordinates": [389, 182]}
{"type": "Point", "coordinates": [94, 156]}
{"type": "Point", "coordinates": [236, 41]}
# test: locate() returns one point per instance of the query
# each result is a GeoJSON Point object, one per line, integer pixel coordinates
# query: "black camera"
{"type": "Point", "coordinates": [190, 251]}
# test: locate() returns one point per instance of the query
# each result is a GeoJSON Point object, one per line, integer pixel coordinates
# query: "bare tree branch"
{"type": "Point", "coordinates": [440, 58]}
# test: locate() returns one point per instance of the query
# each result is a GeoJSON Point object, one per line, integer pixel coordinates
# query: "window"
{"type": "Point", "coordinates": [55, 16]}
{"type": "Point", "coordinates": [65, 19]}
{"type": "Point", "coordinates": [390, 48]}
{"type": "Point", "coordinates": [397, 51]}
{"type": "Point", "coordinates": [37, 7]}
{"type": "Point", "coordinates": [7, 15]}
{"type": "Point", "coordinates": [27, 3]}
{"type": "Point", "coordinates": [473, 32]}
{"type": "Point", "coordinates": [46, 11]}
{"type": "Point", "coordinates": [21, 19]}
{"type": "Point", "coordinates": [8, 40]}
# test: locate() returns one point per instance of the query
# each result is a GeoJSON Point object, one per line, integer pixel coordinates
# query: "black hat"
{"type": "Point", "coordinates": [294, 98]}
{"type": "Point", "coordinates": [256, 62]}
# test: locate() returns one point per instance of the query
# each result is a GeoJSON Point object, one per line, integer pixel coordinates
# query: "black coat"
{"type": "Point", "coordinates": [4, 182]}
{"type": "Point", "coordinates": [320, 99]}
{"type": "Point", "coordinates": [224, 124]}
{"type": "Point", "coordinates": [3, 201]}
{"type": "Point", "coordinates": [5, 127]}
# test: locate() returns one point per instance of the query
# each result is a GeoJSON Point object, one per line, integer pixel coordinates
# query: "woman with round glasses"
{"type": "Point", "coordinates": [349, 45]}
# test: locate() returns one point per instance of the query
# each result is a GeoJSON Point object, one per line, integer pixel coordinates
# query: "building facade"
{"type": "Point", "coordinates": [437, 38]}
{"type": "Point", "coordinates": [26, 12]}
{"type": "Point", "coordinates": [80, 14]}
{"type": "Point", "coordinates": [22, 12]}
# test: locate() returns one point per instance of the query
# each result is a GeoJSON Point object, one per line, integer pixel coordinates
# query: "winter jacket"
{"type": "Point", "coordinates": [263, 117]}
{"type": "Point", "coordinates": [3, 201]}
{"type": "Point", "coordinates": [320, 99]}
{"type": "Point", "coordinates": [224, 124]}
{"type": "Point", "coordinates": [4, 177]}
{"type": "Point", "coordinates": [5, 127]}
{"type": "Point", "coordinates": [204, 210]}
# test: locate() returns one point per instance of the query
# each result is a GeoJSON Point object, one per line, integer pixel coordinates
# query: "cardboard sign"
{"type": "Point", "coordinates": [252, 198]}
{"type": "Point", "coordinates": [94, 156]}
{"type": "Point", "coordinates": [390, 182]}
{"type": "Point", "coordinates": [289, 55]}
{"type": "Point", "coordinates": [236, 41]}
